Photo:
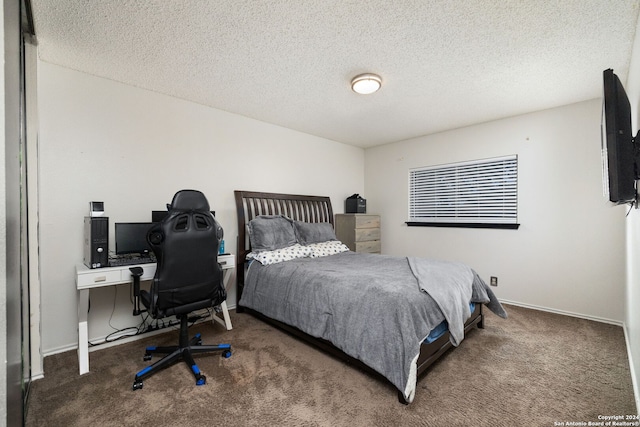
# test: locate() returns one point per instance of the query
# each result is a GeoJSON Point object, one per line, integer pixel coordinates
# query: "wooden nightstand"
{"type": "Point", "coordinates": [360, 232]}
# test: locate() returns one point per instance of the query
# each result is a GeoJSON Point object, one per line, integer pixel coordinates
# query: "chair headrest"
{"type": "Point", "coordinates": [189, 200]}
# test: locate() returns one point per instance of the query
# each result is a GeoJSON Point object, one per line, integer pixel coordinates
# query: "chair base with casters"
{"type": "Point", "coordinates": [183, 351]}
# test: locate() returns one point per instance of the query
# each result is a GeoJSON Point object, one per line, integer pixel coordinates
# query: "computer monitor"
{"type": "Point", "coordinates": [131, 238]}
{"type": "Point", "coordinates": [157, 216]}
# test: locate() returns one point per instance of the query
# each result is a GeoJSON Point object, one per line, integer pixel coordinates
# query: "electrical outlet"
{"type": "Point", "coordinates": [494, 281]}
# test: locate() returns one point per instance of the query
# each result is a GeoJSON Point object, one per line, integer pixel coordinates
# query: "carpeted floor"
{"type": "Point", "coordinates": [532, 369]}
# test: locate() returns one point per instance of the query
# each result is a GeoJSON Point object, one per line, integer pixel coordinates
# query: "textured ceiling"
{"type": "Point", "coordinates": [444, 63]}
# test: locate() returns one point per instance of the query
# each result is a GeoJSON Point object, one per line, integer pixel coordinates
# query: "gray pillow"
{"type": "Point", "coordinates": [308, 232]}
{"type": "Point", "coordinates": [271, 232]}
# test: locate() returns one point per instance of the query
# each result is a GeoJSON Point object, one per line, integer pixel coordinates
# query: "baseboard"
{"type": "Point", "coordinates": [100, 342]}
{"type": "Point", "coordinates": [564, 313]}
{"type": "Point", "coordinates": [634, 374]}
{"type": "Point", "coordinates": [58, 350]}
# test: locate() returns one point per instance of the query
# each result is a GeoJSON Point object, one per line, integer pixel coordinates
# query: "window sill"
{"type": "Point", "coordinates": [464, 225]}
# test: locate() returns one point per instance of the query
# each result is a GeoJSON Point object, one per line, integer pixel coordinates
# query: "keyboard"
{"type": "Point", "coordinates": [122, 261]}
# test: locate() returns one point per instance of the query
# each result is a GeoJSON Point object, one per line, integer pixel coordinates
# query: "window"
{"type": "Point", "coordinates": [479, 194]}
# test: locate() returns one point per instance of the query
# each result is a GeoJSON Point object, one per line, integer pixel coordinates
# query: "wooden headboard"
{"type": "Point", "coordinates": [250, 204]}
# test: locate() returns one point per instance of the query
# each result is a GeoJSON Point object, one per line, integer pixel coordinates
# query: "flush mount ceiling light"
{"type": "Point", "coordinates": [365, 84]}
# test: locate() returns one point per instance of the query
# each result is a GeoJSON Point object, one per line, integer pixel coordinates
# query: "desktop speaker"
{"type": "Point", "coordinates": [96, 241]}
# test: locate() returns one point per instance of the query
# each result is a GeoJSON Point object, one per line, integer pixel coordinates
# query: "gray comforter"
{"type": "Point", "coordinates": [375, 308]}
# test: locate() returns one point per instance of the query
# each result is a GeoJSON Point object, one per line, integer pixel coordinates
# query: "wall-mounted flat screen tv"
{"type": "Point", "coordinates": [619, 154]}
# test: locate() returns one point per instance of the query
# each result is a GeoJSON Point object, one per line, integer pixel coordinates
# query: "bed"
{"type": "Point", "coordinates": [393, 316]}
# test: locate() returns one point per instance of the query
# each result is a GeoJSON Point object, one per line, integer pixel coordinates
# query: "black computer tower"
{"type": "Point", "coordinates": [96, 241]}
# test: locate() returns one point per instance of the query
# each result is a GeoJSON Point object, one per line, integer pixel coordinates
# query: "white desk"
{"type": "Point", "coordinates": [87, 278]}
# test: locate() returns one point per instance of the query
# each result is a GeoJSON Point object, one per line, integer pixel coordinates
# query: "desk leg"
{"type": "Point", "coordinates": [83, 331]}
{"type": "Point", "coordinates": [226, 277]}
{"type": "Point", "coordinates": [226, 321]}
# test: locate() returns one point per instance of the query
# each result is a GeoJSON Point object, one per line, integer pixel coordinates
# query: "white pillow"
{"type": "Point", "coordinates": [331, 247]}
{"type": "Point", "coordinates": [279, 255]}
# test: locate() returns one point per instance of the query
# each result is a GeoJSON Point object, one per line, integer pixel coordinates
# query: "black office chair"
{"type": "Point", "coordinates": [188, 278]}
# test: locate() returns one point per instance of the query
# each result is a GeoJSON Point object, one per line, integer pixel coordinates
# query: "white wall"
{"type": "Point", "coordinates": [568, 254]}
{"type": "Point", "coordinates": [633, 233]}
{"type": "Point", "coordinates": [133, 149]}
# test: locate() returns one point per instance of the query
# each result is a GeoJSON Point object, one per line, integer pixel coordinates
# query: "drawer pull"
{"type": "Point", "coordinates": [100, 279]}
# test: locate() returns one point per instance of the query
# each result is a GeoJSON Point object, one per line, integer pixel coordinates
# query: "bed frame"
{"type": "Point", "coordinates": [250, 204]}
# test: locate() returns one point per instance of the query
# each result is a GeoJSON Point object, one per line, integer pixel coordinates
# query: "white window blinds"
{"type": "Point", "coordinates": [476, 194]}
